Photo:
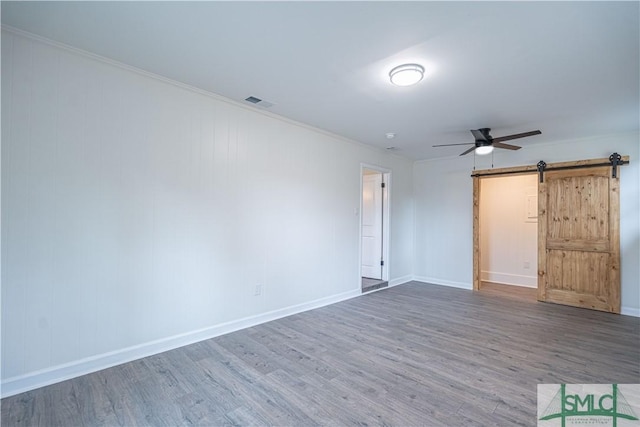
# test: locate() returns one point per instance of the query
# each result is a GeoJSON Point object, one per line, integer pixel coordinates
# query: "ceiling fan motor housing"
{"type": "Point", "coordinates": [487, 138]}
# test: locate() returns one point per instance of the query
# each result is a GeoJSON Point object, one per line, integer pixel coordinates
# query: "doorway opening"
{"type": "Point", "coordinates": [508, 235]}
{"type": "Point", "coordinates": [374, 227]}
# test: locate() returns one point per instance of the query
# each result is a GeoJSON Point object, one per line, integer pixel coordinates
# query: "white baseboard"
{"type": "Point", "coordinates": [37, 379]}
{"type": "Point", "coordinates": [441, 282]}
{"type": "Point", "coordinates": [510, 279]}
{"type": "Point", "coordinates": [518, 285]}
{"type": "Point", "coordinates": [515, 285]}
{"type": "Point", "coordinates": [400, 280]}
{"type": "Point", "coordinates": [630, 311]}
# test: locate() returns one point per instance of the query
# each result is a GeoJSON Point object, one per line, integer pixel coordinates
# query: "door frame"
{"type": "Point", "coordinates": [386, 197]}
{"type": "Point", "coordinates": [477, 185]}
{"type": "Point", "coordinates": [478, 176]}
{"type": "Point", "coordinates": [516, 170]}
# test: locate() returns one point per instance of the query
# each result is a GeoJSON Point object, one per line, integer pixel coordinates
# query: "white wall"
{"type": "Point", "coordinates": [139, 215]}
{"type": "Point", "coordinates": [508, 231]}
{"type": "Point", "coordinates": [444, 224]}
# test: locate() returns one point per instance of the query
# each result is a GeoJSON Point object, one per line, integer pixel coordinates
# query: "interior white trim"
{"type": "Point", "coordinates": [386, 221]}
{"type": "Point", "coordinates": [400, 281]}
{"type": "Point", "coordinates": [510, 279]}
{"type": "Point", "coordinates": [436, 281]}
{"type": "Point", "coordinates": [37, 379]}
{"type": "Point", "coordinates": [630, 311]}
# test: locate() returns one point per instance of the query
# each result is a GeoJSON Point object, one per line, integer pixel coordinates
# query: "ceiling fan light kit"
{"type": "Point", "coordinates": [484, 149]}
{"type": "Point", "coordinates": [406, 74]}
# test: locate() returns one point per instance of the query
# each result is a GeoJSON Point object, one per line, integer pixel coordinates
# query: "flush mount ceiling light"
{"type": "Point", "coordinates": [406, 74]}
{"type": "Point", "coordinates": [484, 149]}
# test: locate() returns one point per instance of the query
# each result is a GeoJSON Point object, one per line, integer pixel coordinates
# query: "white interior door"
{"type": "Point", "coordinates": [372, 226]}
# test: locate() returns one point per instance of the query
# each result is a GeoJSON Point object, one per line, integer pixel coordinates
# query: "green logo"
{"type": "Point", "coordinates": [584, 405]}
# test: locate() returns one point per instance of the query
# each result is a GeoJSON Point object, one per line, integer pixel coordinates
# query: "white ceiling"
{"type": "Point", "coordinates": [570, 69]}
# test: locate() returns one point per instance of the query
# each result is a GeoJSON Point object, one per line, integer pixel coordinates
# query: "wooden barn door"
{"type": "Point", "coordinates": [579, 239]}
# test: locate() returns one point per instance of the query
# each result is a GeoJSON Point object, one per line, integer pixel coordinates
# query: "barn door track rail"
{"type": "Point", "coordinates": [615, 160]}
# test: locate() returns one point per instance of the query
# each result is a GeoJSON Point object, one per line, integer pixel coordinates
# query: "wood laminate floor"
{"type": "Point", "coordinates": [410, 355]}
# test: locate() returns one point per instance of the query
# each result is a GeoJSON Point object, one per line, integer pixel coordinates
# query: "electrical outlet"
{"type": "Point", "coordinates": [527, 264]}
{"type": "Point", "coordinates": [258, 290]}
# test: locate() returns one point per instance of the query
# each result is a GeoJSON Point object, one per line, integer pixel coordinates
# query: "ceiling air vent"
{"type": "Point", "coordinates": [259, 102]}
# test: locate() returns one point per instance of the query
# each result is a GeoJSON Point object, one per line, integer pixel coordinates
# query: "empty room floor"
{"type": "Point", "coordinates": [413, 354]}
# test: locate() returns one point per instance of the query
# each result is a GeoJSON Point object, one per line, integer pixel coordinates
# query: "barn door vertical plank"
{"type": "Point", "coordinates": [476, 233]}
{"type": "Point", "coordinates": [542, 240]}
{"type": "Point", "coordinates": [614, 241]}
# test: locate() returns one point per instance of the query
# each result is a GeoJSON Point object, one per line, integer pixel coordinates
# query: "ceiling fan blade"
{"type": "Point", "coordinates": [468, 151]}
{"type": "Point", "coordinates": [478, 135]}
{"type": "Point", "coordinates": [448, 145]}
{"type": "Point", "coordinates": [516, 136]}
{"type": "Point", "coordinates": [507, 146]}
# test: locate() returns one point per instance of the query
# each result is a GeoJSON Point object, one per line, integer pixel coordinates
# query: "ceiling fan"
{"type": "Point", "coordinates": [485, 143]}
